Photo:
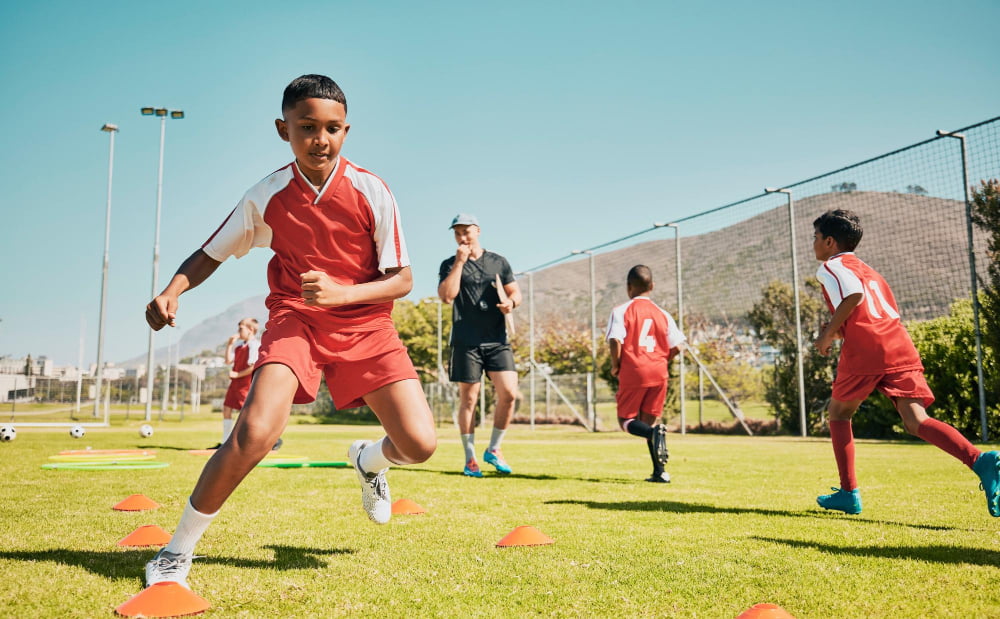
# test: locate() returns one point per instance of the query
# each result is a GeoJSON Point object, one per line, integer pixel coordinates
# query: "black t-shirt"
{"type": "Point", "coordinates": [475, 317]}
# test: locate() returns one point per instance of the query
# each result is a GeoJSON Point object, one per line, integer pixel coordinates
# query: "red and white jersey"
{"type": "Point", "coordinates": [245, 355]}
{"type": "Point", "coordinates": [647, 333]}
{"type": "Point", "coordinates": [349, 229]}
{"type": "Point", "coordinates": [875, 340]}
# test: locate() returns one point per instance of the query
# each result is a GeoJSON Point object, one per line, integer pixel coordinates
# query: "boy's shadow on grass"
{"type": "Point", "coordinates": [700, 508]}
{"type": "Point", "coordinates": [131, 563]}
{"type": "Point", "coordinates": [936, 554]}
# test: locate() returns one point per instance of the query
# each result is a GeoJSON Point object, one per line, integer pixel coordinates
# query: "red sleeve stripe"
{"type": "Point", "coordinates": [220, 227]}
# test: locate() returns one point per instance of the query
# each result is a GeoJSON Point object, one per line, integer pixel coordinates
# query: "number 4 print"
{"type": "Point", "coordinates": [645, 339]}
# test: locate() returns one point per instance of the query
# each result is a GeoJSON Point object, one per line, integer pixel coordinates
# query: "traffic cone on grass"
{"type": "Point", "coordinates": [164, 599]}
{"type": "Point", "coordinates": [525, 536]}
{"type": "Point", "coordinates": [147, 535]}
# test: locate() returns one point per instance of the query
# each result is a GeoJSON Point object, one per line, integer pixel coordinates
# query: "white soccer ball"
{"type": "Point", "coordinates": [77, 431]}
{"type": "Point", "coordinates": [7, 433]}
{"type": "Point", "coordinates": [145, 430]}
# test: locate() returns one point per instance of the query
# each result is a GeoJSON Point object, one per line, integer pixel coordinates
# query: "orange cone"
{"type": "Point", "coordinates": [764, 611]}
{"type": "Point", "coordinates": [525, 536]}
{"type": "Point", "coordinates": [164, 599]}
{"type": "Point", "coordinates": [403, 507]}
{"type": "Point", "coordinates": [136, 503]}
{"type": "Point", "coordinates": [147, 535]}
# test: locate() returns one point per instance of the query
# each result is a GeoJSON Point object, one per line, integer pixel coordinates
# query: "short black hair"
{"type": "Point", "coordinates": [640, 278]}
{"type": "Point", "coordinates": [843, 225]}
{"type": "Point", "coordinates": [312, 86]}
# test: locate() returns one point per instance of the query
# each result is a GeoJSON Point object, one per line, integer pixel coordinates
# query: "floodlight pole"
{"type": "Point", "coordinates": [984, 431]}
{"type": "Point", "coordinates": [111, 130]}
{"type": "Point", "coordinates": [150, 369]}
{"type": "Point", "coordinates": [798, 312]}
{"type": "Point", "coordinates": [680, 314]}
{"type": "Point", "coordinates": [592, 384]}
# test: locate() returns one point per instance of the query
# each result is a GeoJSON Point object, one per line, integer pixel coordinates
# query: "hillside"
{"type": "Point", "coordinates": [917, 242]}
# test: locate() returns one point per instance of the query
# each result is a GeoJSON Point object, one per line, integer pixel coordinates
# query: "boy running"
{"type": "Point", "coordinates": [339, 261]}
{"type": "Point", "coordinates": [643, 338]}
{"type": "Point", "coordinates": [877, 353]}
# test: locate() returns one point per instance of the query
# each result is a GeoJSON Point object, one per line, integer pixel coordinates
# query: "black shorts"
{"type": "Point", "coordinates": [468, 362]}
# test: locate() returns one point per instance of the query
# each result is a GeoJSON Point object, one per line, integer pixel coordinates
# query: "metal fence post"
{"type": "Point", "coordinates": [984, 434]}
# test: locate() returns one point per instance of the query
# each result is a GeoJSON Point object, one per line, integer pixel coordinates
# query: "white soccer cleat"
{"type": "Point", "coordinates": [168, 567]}
{"type": "Point", "coordinates": [374, 487]}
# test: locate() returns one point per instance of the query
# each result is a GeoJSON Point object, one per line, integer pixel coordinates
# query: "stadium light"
{"type": "Point", "coordinates": [591, 388]}
{"type": "Point", "coordinates": [798, 311]}
{"type": "Point", "coordinates": [111, 130]}
{"type": "Point", "coordinates": [161, 113]}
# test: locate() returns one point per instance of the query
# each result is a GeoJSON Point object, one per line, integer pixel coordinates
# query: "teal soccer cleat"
{"type": "Point", "coordinates": [987, 466]}
{"type": "Point", "coordinates": [493, 456]}
{"type": "Point", "coordinates": [847, 501]}
{"type": "Point", "coordinates": [472, 469]}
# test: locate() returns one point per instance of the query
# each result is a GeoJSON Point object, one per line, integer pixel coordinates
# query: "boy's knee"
{"type": "Point", "coordinates": [418, 449]}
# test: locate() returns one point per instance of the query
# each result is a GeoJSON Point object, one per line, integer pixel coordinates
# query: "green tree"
{"type": "Point", "coordinates": [948, 350]}
{"type": "Point", "coordinates": [773, 317]}
{"type": "Point", "coordinates": [417, 327]}
{"type": "Point", "coordinates": [986, 215]}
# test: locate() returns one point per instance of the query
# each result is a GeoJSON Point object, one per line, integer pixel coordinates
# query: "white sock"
{"type": "Point", "coordinates": [469, 443]}
{"type": "Point", "coordinates": [372, 458]}
{"type": "Point", "coordinates": [227, 429]}
{"type": "Point", "coordinates": [189, 530]}
{"type": "Point", "coordinates": [496, 438]}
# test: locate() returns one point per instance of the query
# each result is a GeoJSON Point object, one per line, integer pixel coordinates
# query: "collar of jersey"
{"type": "Point", "coordinates": [330, 180]}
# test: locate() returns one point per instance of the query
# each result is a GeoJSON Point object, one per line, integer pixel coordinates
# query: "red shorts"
{"type": "Point", "coordinates": [236, 395]}
{"type": "Point", "coordinates": [895, 385]}
{"type": "Point", "coordinates": [635, 400]}
{"type": "Point", "coordinates": [355, 364]}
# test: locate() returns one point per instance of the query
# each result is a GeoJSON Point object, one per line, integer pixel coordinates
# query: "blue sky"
{"type": "Point", "coordinates": [561, 125]}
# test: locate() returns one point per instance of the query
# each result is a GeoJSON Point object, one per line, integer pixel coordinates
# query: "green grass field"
{"type": "Point", "coordinates": [738, 526]}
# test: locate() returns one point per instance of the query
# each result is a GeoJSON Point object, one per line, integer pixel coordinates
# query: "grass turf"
{"type": "Point", "coordinates": [738, 526]}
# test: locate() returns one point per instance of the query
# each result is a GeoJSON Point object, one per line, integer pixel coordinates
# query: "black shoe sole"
{"type": "Point", "coordinates": [660, 445]}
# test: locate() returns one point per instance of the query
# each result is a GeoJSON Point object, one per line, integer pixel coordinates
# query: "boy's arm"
{"type": "Point", "coordinates": [319, 289]}
{"type": "Point", "coordinates": [616, 356]}
{"type": "Point", "coordinates": [230, 345]}
{"type": "Point", "coordinates": [163, 309]}
{"type": "Point", "coordinates": [244, 372]}
{"type": "Point", "coordinates": [840, 315]}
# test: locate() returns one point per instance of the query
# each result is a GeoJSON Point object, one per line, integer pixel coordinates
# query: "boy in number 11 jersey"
{"type": "Point", "coordinates": [877, 353]}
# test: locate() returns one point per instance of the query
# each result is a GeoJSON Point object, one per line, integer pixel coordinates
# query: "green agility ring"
{"type": "Point", "coordinates": [319, 464]}
{"type": "Point", "coordinates": [105, 466]}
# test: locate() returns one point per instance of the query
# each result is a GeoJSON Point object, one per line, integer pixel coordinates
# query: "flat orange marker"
{"type": "Point", "coordinates": [164, 599]}
{"type": "Point", "coordinates": [764, 611]}
{"type": "Point", "coordinates": [525, 536]}
{"type": "Point", "coordinates": [146, 535]}
{"type": "Point", "coordinates": [136, 503]}
{"type": "Point", "coordinates": [404, 507]}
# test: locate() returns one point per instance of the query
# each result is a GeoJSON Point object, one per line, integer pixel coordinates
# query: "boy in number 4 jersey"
{"type": "Point", "coordinates": [643, 338]}
{"type": "Point", "coordinates": [877, 353]}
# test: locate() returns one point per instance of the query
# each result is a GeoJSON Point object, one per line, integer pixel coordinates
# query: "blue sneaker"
{"type": "Point", "coordinates": [493, 456]}
{"type": "Point", "coordinates": [847, 501]}
{"type": "Point", "coordinates": [987, 466]}
{"type": "Point", "coordinates": [472, 469]}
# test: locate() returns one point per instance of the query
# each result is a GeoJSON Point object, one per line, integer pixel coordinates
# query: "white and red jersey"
{"type": "Point", "coordinates": [875, 340]}
{"type": "Point", "coordinates": [245, 355]}
{"type": "Point", "coordinates": [349, 229]}
{"type": "Point", "coordinates": [647, 333]}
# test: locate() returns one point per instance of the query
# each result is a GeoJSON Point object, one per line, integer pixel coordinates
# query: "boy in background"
{"type": "Point", "coordinates": [877, 353]}
{"type": "Point", "coordinates": [643, 338]}
{"type": "Point", "coordinates": [242, 358]}
{"type": "Point", "coordinates": [339, 262]}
